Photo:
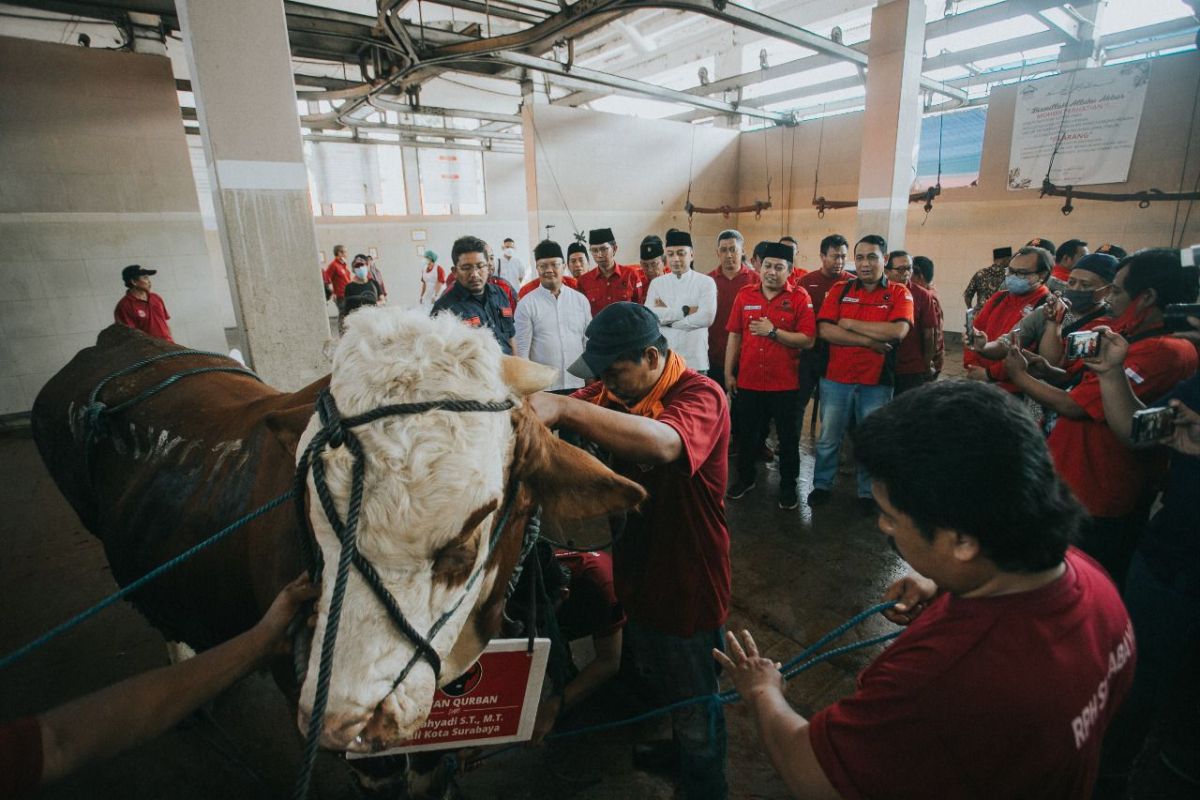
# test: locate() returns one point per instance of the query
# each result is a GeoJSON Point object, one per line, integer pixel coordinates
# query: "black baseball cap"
{"type": "Point", "coordinates": [618, 329]}
{"type": "Point", "coordinates": [135, 271]}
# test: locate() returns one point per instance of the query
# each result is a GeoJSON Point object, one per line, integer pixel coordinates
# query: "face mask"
{"type": "Point", "coordinates": [508, 252]}
{"type": "Point", "coordinates": [360, 272]}
{"type": "Point", "coordinates": [1017, 284]}
{"type": "Point", "coordinates": [1131, 318]}
{"type": "Point", "coordinates": [1080, 298]}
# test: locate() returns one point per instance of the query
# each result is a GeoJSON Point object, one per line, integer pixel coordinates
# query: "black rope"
{"type": "Point", "coordinates": [335, 432]}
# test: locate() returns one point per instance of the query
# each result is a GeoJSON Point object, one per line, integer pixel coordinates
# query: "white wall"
{"type": "Point", "coordinates": [94, 175]}
{"type": "Point", "coordinates": [632, 175]}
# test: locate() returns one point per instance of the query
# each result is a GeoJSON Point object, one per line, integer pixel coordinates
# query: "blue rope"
{"type": "Point", "coordinates": [789, 670]}
{"type": "Point", "coordinates": [83, 616]}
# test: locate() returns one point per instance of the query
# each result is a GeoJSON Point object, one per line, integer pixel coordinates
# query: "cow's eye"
{"type": "Point", "coordinates": [453, 562]}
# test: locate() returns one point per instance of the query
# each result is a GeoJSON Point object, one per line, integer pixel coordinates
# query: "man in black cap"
{"type": "Point", "coordinates": [552, 319]}
{"type": "Point", "coordinates": [987, 281]}
{"type": "Point", "coordinates": [473, 299]}
{"type": "Point", "coordinates": [610, 282]}
{"type": "Point", "coordinates": [651, 258]}
{"type": "Point", "coordinates": [768, 327]}
{"type": "Point", "coordinates": [577, 259]}
{"type": "Point", "coordinates": [685, 302]}
{"type": "Point", "coordinates": [667, 427]}
{"type": "Point", "coordinates": [1081, 306]}
{"type": "Point", "coordinates": [141, 308]}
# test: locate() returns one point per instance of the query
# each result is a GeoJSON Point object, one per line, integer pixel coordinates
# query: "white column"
{"type": "Point", "coordinates": [241, 75]}
{"type": "Point", "coordinates": [892, 119]}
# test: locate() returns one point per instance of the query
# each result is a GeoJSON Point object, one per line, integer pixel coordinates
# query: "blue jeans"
{"type": "Point", "coordinates": [674, 668]}
{"type": "Point", "coordinates": [840, 402]}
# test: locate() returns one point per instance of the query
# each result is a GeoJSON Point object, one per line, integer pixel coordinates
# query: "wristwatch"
{"type": "Point", "coordinates": [774, 334]}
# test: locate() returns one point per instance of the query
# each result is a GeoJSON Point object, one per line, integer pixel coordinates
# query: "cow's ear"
{"type": "Point", "coordinates": [525, 377]}
{"type": "Point", "coordinates": [569, 483]}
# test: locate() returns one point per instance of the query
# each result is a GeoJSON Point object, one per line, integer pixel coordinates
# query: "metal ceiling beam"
{"type": "Point", "coordinates": [998, 12]}
{"type": "Point", "coordinates": [402, 107]}
{"type": "Point", "coordinates": [631, 86]}
{"type": "Point", "coordinates": [994, 50]}
{"type": "Point", "coordinates": [418, 130]}
{"type": "Point", "coordinates": [501, 12]}
{"type": "Point", "coordinates": [800, 92]}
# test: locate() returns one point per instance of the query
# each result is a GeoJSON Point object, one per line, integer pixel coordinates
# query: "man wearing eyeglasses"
{"type": "Point", "coordinates": [864, 319]}
{"type": "Point", "coordinates": [918, 349]}
{"type": "Point", "coordinates": [473, 299]}
{"type": "Point", "coordinates": [1024, 290]}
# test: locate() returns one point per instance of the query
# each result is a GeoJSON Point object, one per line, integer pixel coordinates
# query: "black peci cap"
{"type": "Point", "coordinates": [547, 249]}
{"type": "Point", "coordinates": [652, 247]}
{"type": "Point", "coordinates": [601, 236]}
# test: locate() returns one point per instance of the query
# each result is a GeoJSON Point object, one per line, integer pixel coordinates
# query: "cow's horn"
{"type": "Point", "coordinates": [526, 377]}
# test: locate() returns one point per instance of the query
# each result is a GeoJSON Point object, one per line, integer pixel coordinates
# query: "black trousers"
{"type": "Point", "coordinates": [1112, 540]}
{"type": "Point", "coordinates": [756, 409]}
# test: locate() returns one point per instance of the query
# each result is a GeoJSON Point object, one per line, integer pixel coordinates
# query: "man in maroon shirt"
{"type": "Point", "coordinates": [609, 282]}
{"type": "Point", "coordinates": [914, 357]}
{"type": "Point", "coordinates": [1017, 652]}
{"type": "Point", "coordinates": [923, 277]}
{"type": "Point", "coordinates": [141, 308]}
{"type": "Point", "coordinates": [834, 252]}
{"type": "Point", "coordinates": [731, 276]}
{"type": "Point", "coordinates": [336, 275]}
{"type": "Point", "coordinates": [667, 427]}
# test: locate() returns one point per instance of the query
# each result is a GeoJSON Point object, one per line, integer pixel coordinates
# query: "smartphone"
{"type": "Point", "coordinates": [1151, 424]}
{"type": "Point", "coordinates": [1083, 344]}
{"type": "Point", "coordinates": [970, 320]}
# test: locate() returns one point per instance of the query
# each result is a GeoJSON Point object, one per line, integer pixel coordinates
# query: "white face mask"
{"type": "Point", "coordinates": [508, 252]}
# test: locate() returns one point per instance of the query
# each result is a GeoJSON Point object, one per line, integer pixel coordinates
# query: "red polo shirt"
{"type": "Point", "coordinates": [887, 302]}
{"type": "Point", "coordinates": [1109, 478]}
{"type": "Point", "coordinates": [336, 275]}
{"type": "Point", "coordinates": [910, 356]}
{"type": "Point", "coordinates": [765, 365]}
{"type": "Point", "coordinates": [727, 290]}
{"type": "Point", "coordinates": [148, 316]}
{"type": "Point", "coordinates": [999, 315]}
{"type": "Point", "coordinates": [624, 284]}
{"type": "Point", "coordinates": [817, 283]}
{"type": "Point", "coordinates": [529, 286]}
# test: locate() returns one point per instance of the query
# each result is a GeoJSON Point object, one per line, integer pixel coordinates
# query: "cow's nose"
{"type": "Point", "coordinates": [338, 732]}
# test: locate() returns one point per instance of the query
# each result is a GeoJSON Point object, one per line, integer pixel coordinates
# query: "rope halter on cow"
{"type": "Point", "coordinates": [335, 432]}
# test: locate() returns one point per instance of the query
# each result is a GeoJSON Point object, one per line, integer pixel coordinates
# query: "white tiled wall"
{"type": "Point", "coordinates": [94, 175]}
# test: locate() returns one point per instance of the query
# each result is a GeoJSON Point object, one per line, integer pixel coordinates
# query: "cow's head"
{"type": "Point", "coordinates": [435, 483]}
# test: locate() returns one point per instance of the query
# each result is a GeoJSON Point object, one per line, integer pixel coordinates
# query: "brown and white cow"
{"type": "Point", "coordinates": [178, 466]}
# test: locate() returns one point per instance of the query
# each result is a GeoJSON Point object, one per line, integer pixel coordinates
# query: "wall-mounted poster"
{"type": "Point", "coordinates": [1080, 125]}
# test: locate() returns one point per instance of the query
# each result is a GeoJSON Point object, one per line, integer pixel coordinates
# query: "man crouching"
{"type": "Point", "coordinates": [1018, 650]}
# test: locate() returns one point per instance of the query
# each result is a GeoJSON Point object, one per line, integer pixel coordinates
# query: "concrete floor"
{"type": "Point", "coordinates": [796, 576]}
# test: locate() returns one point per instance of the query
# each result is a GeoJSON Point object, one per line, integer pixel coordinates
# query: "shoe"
{"type": "Point", "coordinates": [818, 497]}
{"type": "Point", "coordinates": [866, 506]}
{"type": "Point", "coordinates": [788, 499]}
{"type": "Point", "coordinates": [739, 490]}
{"type": "Point", "coordinates": [766, 454]}
{"type": "Point", "coordinates": [657, 756]}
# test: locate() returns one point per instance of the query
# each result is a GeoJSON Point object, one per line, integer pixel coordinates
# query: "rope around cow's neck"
{"type": "Point", "coordinates": [336, 432]}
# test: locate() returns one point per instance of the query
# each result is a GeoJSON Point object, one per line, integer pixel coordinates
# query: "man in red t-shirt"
{"type": "Point", "coordinates": [864, 319]}
{"type": "Point", "coordinates": [1117, 483]}
{"type": "Point", "coordinates": [769, 324]}
{"type": "Point", "coordinates": [609, 282]}
{"type": "Point", "coordinates": [834, 251]}
{"type": "Point", "coordinates": [667, 427]}
{"type": "Point", "coordinates": [141, 308]}
{"type": "Point", "coordinates": [731, 276]}
{"type": "Point", "coordinates": [914, 357]}
{"type": "Point", "coordinates": [336, 275]}
{"type": "Point", "coordinates": [1017, 653]}
{"type": "Point", "coordinates": [986, 343]}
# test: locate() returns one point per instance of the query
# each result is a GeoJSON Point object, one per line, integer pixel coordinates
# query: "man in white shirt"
{"type": "Point", "coordinates": [509, 266]}
{"type": "Point", "coordinates": [552, 319]}
{"type": "Point", "coordinates": [685, 302]}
